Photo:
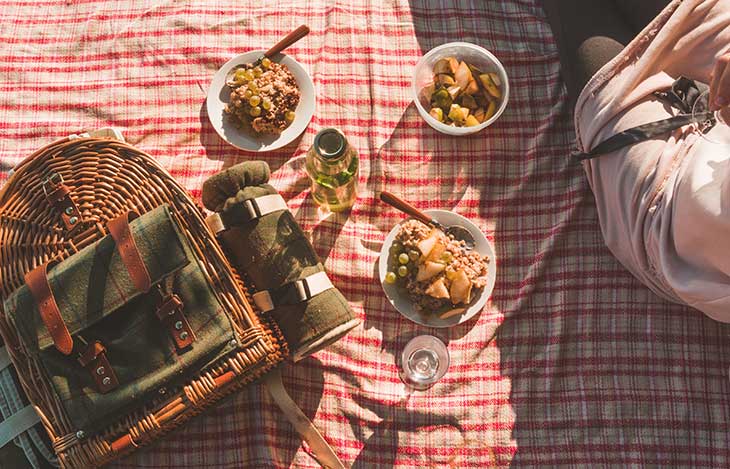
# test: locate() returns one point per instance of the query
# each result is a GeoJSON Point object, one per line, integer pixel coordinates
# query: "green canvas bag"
{"type": "Point", "coordinates": [127, 344]}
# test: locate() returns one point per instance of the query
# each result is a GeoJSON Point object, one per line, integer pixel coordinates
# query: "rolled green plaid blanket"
{"type": "Point", "coordinates": [267, 244]}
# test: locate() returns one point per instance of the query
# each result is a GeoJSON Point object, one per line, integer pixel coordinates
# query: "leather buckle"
{"type": "Point", "coordinates": [170, 314]}
{"type": "Point", "coordinates": [58, 195]}
{"type": "Point", "coordinates": [93, 359]}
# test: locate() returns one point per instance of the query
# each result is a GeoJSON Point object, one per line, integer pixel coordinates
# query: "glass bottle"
{"type": "Point", "coordinates": [333, 166]}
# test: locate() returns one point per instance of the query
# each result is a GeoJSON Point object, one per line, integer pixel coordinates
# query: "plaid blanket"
{"type": "Point", "coordinates": [573, 362]}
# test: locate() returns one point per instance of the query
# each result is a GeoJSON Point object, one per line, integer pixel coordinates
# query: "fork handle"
{"type": "Point", "coordinates": [405, 207]}
{"type": "Point", "coordinates": [287, 40]}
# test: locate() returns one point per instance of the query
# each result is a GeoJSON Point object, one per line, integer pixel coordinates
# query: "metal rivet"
{"type": "Point", "coordinates": [162, 391]}
{"type": "Point", "coordinates": [233, 343]}
{"type": "Point", "coordinates": [73, 220]}
{"type": "Point", "coordinates": [106, 381]}
{"type": "Point", "coordinates": [69, 210]}
{"type": "Point", "coordinates": [80, 435]}
{"type": "Point", "coordinates": [184, 335]}
{"type": "Point", "coordinates": [100, 370]}
{"type": "Point", "coordinates": [178, 325]}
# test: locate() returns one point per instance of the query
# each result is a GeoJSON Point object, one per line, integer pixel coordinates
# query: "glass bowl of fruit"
{"type": "Point", "coordinates": [460, 88]}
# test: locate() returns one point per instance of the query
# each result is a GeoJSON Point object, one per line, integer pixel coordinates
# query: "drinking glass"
{"type": "Point", "coordinates": [424, 361]}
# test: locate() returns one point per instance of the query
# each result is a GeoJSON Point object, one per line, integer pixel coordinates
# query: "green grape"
{"type": "Point", "coordinates": [255, 111]}
{"type": "Point", "coordinates": [265, 62]}
{"type": "Point", "coordinates": [289, 116]}
{"type": "Point", "coordinates": [402, 271]}
{"type": "Point", "coordinates": [253, 87]}
{"type": "Point", "coordinates": [266, 104]}
{"type": "Point", "coordinates": [403, 258]}
{"type": "Point", "coordinates": [254, 100]}
{"type": "Point", "coordinates": [257, 72]}
{"type": "Point", "coordinates": [248, 93]}
{"type": "Point", "coordinates": [390, 277]}
{"type": "Point", "coordinates": [414, 255]}
{"type": "Point", "coordinates": [248, 75]}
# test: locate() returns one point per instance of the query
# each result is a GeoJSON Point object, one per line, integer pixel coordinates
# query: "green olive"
{"type": "Point", "coordinates": [254, 100]}
{"type": "Point", "coordinates": [255, 111]}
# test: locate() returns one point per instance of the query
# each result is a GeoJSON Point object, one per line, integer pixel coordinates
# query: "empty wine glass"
{"type": "Point", "coordinates": [424, 361]}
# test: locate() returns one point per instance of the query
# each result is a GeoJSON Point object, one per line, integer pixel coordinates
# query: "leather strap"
{"type": "Point", "coordinates": [58, 195]}
{"type": "Point", "coordinates": [322, 451]}
{"type": "Point", "coordinates": [37, 281]}
{"type": "Point", "coordinates": [95, 361]}
{"type": "Point", "coordinates": [245, 212]}
{"type": "Point", "coordinates": [120, 231]}
{"type": "Point", "coordinates": [293, 292]}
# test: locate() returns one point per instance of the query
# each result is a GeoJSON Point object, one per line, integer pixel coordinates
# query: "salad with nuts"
{"type": "Point", "coordinates": [263, 96]}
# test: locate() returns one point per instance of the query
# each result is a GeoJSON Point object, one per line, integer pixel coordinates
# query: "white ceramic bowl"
{"type": "Point", "coordinates": [219, 95]}
{"type": "Point", "coordinates": [472, 54]}
{"type": "Point", "coordinates": [398, 296]}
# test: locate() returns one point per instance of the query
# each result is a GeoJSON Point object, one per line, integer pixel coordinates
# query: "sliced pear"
{"type": "Point", "coordinates": [425, 245]}
{"type": "Point", "coordinates": [427, 92]}
{"type": "Point", "coordinates": [495, 78]}
{"type": "Point", "coordinates": [489, 85]}
{"type": "Point", "coordinates": [454, 91]}
{"type": "Point", "coordinates": [453, 65]}
{"type": "Point", "coordinates": [460, 291]}
{"type": "Point", "coordinates": [429, 270]}
{"type": "Point", "coordinates": [479, 114]}
{"type": "Point", "coordinates": [472, 87]}
{"type": "Point", "coordinates": [490, 111]}
{"type": "Point", "coordinates": [442, 66]}
{"type": "Point", "coordinates": [468, 101]}
{"type": "Point", "coordinates": [463, 75]}
{"type": "Point", "coordinates": [471, 121]}
{"type": "Point", "coordinates": [445, 80]}
{"type": "Point", "coordinates": [438, 290]}
{"type": "Point", "coordinates": [452, 312]}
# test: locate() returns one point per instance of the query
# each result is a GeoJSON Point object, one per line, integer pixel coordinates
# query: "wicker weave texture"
{"type": "Point", "coordinates": [106, 178]}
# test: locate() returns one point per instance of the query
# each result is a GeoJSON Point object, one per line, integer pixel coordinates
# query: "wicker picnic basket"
{"type": "Point", "coordinates": [105, 177]}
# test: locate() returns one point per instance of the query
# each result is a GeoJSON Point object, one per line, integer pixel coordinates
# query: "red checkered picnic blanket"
{"type": "Point", "coordinates": [572, 362]}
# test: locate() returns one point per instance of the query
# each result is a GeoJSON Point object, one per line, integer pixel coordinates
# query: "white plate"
{"type": "Point", "coordinates": [219, 95]}
{"type": "Point", "coordinates": [399, 298]}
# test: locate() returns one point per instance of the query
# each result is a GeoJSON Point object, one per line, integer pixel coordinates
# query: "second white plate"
{"type": "Point", "coordinates": [399, 298]}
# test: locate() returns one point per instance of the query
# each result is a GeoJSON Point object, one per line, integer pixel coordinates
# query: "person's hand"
{"type": "Point", "coordinates": [720, 87]}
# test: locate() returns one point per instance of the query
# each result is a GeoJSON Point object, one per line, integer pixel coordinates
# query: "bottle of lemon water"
{"type": "Point", "coordinates": [333, 166]}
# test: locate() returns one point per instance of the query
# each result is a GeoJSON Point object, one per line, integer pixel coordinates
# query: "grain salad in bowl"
{"type": "Point", "coordinates": [263, 97]}
{"type": "Point", "coordinates": [439, 274]}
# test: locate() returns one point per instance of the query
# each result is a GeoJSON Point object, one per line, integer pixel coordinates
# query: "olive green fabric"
{"type": "Point", "coordinates": [273, 250]}
{"type": "Point", "coordinates": [98, 301]}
